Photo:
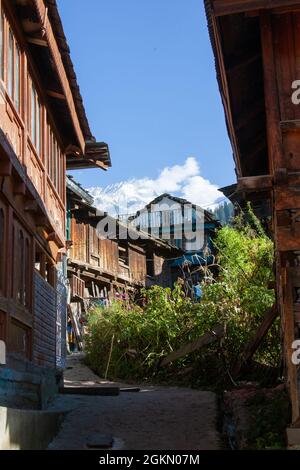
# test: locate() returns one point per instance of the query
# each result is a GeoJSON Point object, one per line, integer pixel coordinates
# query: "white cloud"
{"type": "Point", "coordinates": [184, 181]}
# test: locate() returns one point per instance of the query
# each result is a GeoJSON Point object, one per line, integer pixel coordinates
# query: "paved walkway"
{"type": "Point", "coordinates": [157, 418]}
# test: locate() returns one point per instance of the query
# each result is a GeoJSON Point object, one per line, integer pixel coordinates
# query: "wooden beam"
{"type": "Point", "coordinates": [293, 124]}
{"type": "Point", "coordinates": [49, 36]}
{"type": "Point", "coordinates": [37, 41]}
{"type": "Point", "coordinates": [230, 7]}
{"type": "Point", "coordinates": [226, 95]}
{"type": "Point", "coordinates": [55, 94]}
{"type": "Point", "coordinates": [52, 237]}
{"type": "Point", "coordinates": [271, 93]}
{"type": "Point", "coordinates": [188, 348]}
{"type": "Point", "coordinates": [257, 339]}
{"type": "Point", "coordinates": [255, 183]}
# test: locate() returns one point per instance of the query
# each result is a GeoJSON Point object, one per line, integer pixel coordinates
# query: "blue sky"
{"type": "Point", "coordinates": [146, 73]}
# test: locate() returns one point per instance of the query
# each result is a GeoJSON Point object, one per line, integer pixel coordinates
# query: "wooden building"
{"type": "Point", "coordinates": [257, 49]}
{"type": "Point", "coordinates": [109, 263]}
{"type": "Point", "coordinates": [185, 225]}
{"type": "Point", "coordinates": [43, 132]}
{"type": "Point", "coordinates": [115, 262]}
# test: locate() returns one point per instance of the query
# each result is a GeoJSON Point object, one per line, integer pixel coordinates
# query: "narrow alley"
{"type": "Point", "coordinates": [153, 418]}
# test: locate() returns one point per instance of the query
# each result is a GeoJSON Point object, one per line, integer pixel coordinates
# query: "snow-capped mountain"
{"type": "Point", "coordinates": [183, 181]}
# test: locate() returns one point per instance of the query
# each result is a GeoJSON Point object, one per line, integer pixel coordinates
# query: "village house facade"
{"type": "Point", "coordinates": [186, 226]}
{"type": "Point", "coordinates": [43, 132]}
{"type": "Point", "coordinates": [111, 261]}
{"type": "Point", "coordinates": [256, 46]}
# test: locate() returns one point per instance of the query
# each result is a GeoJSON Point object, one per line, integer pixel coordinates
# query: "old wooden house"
{"type": "Point", "coordinates": [185, 225]}
{"type": "Point", "coordinates": [108, 259]}
{"type": "Point", "coordinates": [257, 49]}
{"type": "Point", "coordinates": [43, 132]}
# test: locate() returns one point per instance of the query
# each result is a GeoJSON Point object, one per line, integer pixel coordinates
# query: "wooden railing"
{"type": "Point", "coordinates": [77, 287]}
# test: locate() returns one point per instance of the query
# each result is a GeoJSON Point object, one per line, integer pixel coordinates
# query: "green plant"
{"type": "Point", "coordinates": [128, 341]}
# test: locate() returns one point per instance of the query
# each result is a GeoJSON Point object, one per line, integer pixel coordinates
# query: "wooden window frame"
{"type": "Point", "coordinates": [35, 118]}
{"type": "Point", "coordinates": [13, 76]}
{"type": "Point", "coordinates": [22, 272]}
{"type": "Point", "coordinates": [55, 161]}
{"type": "Point", "coordinates": [2, 41]}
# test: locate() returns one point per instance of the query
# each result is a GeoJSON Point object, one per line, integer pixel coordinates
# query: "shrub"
{"type": "Point", "coordinates": [128, 341]}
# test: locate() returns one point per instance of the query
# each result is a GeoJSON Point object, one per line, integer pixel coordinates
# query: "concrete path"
{"type": "Point", "coordinates": [156, 418]}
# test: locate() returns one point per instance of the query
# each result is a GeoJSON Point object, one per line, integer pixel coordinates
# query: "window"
{"type": "Point", "coordinates": [17, 79]}
{"type": "Point", "coordinates": [22, 266]}
{"type": "Point", "coordinates": [55, 162]}
{"type": "Point", "coordinates": [10, 69]}
{"type": "Point", "coordinates": [35, 119]}
{"type": "Point", "coordinates": [123, 255]}
{"type": "Point", "coordinates": [1, 46]}
{"type": "Point", "coordinates": [27, 274]}
{"type": "Point", "coordinates": [20, 277]}
{"type": "Point", "coordinates": [13, 69]}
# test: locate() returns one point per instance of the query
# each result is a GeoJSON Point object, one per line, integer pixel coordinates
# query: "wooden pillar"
{"type": "Point", "coordinates": [278, 64]}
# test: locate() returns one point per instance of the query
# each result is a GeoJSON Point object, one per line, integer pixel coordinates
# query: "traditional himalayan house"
{"type": "Point", "coordinates": [43, 132]}
{"type": "Point", "coordinates": [257, 49]}
{"type": "Point", "coordinates": [107, 259]}
{"type": "Point", "coordinates": [186, 226]}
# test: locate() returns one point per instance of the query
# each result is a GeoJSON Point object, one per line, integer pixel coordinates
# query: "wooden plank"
{"type": "Point", "coordinates": [288, 239]}
{"type": "Point", "coordinates": [254, 183]}
{"type": "Point", "coordinates": [287, 198]}
{"type": "Point", "coordinates": [226, 95]}
{"type": "Point", "coordinates": [55, 94]}
{"type": "Point", "coordinates": [292, 124]}
{"type": "Point", "coordinates": [257, 339]}
{"type": "Point", "coordinates": [230, 7]}
{"type": "Point", "coordinates": [271, 94]}
{"type": "Point", "coordinates": [37, 42]}
{"type": "Point", "coordinates": [188, 348]}
{"type": "Point", "coordinates": [284, 52]}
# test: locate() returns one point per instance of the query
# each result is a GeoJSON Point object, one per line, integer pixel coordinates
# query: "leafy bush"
{"type": "Point", "coordinates": [128, 341]}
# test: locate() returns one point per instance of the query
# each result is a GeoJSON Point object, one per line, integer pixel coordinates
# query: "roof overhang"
{"type": "Point", "coordinates": [45, 41]}
{"type": "Point", "coordinates": [235, 32]}
{"type": "Point", "coordinates": [230, 7]}
{"type": "Point", "coordinates": [96, 155]}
